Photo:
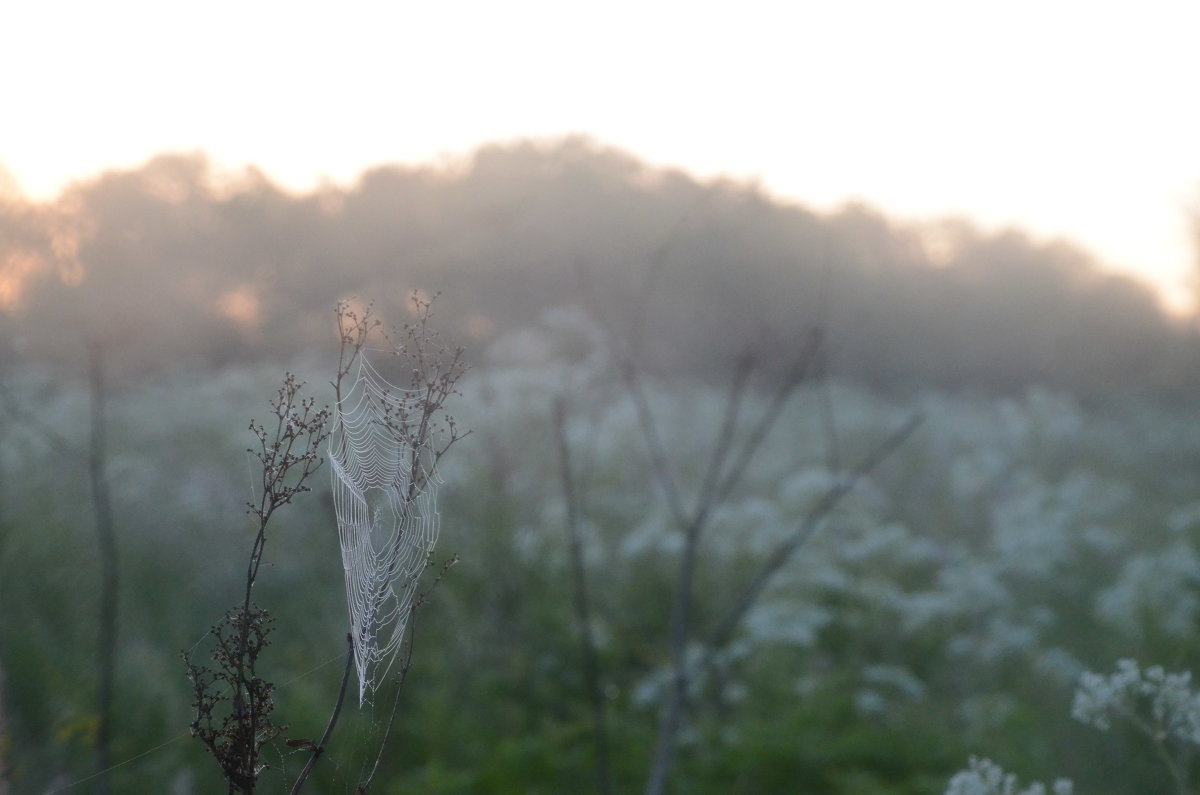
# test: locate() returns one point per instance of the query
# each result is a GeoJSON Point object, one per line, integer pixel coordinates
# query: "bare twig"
{"type": "Point", "coordinates": [319, 748]}
{"type": "Point", "coordinates": [716, 490]}
{"type": "Point", "coordinates": [1158, 734]}
{"type": "Point", "coordinates": [233, 705]}
{"type": "Point", "coordinates": [587, 641]}
{"type": "Point", "coordinates": [723, 445]}
{"type": "Point", "coordinates": [661, 467]}
{"type": "Point", "coordinates": [797, 372]}
{"type": "Point", "coordinates": [829, 419]}
{"type": "Point", "coordinates": [812, 520]}
{"type": "Point", "coordinates": [726, 467]}
{"type": "Point", "coordinates": [19, 416]}
{"type": "Point", "coordinates": [402, 676]}
{"type": "Point", "coordinates": [106, 535]}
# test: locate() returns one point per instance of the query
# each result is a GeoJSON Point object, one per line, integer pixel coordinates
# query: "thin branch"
{"type": "Point", "coordinates": [391, 722]}
{"type": "Point", "coordinates": [718, 482]}
{"type": "Point", "coordinates": [1157, 735]}
{"type": "Point", "coordinates": [829, 418]}
{"type": "Point", "coordinates": [659, 463]}
{"type": "Point", "coordinates": [654, 272]}
{"type": "Point", "coordinates": [319, 748]}
{"type": "Point", "coordinates": [681, 609]}
{"type": "Point", "coordinates": [707, 497]}
{"type": "Point", "coordinates": [630, 375]}
{"type": "Point", "coordinates": [792, 378]}
{"type": "Point", "coordinates": [109, 574]}
{"type": "Point", "coordinates": [587, 642]}
{"type": "Point", "coordinates": [19, 416]}
{"type": "Point", "coordinates": [812, 520]}
{"type": "Point", "coordinates": [402, 676]}
{"type": "Point", "coordinates": [288, 455]}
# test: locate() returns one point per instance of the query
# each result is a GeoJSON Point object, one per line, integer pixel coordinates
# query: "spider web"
{"type": "Point", "coordinates": [385, 499]}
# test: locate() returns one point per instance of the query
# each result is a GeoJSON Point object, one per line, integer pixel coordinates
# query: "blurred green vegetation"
{"type": "Point", "coordinates": [1042, 522]}
{"type": "Point", "coordinates": [945, 609]}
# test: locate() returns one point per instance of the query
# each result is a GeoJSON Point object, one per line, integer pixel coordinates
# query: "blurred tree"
{"type": "Point", "coordinates": [223, 268]}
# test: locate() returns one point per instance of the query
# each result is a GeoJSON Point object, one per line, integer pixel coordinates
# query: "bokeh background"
{"type": "Point", "coordinates": [989, 218]}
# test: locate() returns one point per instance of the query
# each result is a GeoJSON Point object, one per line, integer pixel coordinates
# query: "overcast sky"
{"type": "Point", "coordinates": [1069, 118]}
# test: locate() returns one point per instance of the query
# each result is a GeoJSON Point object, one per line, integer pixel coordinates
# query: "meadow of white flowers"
{"type": "Point", "coordinates": [951, 606]}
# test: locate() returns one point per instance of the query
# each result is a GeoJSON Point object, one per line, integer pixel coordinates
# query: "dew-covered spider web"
{"type": "Point", "coordinates": [385, 499]}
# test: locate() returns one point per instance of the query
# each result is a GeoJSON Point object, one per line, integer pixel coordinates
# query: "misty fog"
{"type": "Point", "coordinates": [173, 261]}
{"type": "Point", "coordinates": [921, 486]}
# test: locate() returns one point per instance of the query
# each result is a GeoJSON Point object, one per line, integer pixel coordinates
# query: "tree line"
{"type": "Point", "coordinates": [174, 260]}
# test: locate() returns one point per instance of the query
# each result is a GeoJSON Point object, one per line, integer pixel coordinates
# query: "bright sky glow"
{"type": "Point", "coordinates": [1066, 117]}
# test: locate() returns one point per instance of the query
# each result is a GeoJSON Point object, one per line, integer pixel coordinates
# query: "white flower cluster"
{"type": "Point", "coordinates": [1157, 583]}
{"type": "Point", "coordinates": [985, 777]}
{"type": "Point", "coordinates": [1152, 699]}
